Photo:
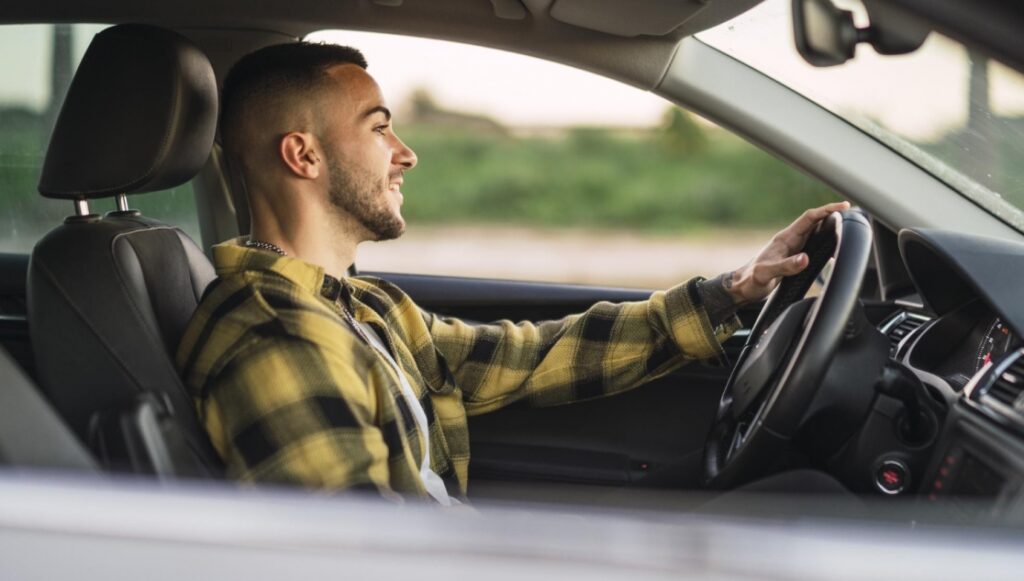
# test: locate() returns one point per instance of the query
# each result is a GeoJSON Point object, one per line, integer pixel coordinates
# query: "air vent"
{"type": "Point", "coordinates": [899, 327]}
{"type": "Point", "coordinates": [1007, 388]}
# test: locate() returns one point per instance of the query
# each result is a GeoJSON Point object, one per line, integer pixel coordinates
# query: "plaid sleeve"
{"type": "Point", "coordinates": [607, 349]}
{"type": "Point", "coordinates": [288, 410]}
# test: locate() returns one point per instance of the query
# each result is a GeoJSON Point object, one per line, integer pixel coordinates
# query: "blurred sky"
{"type": "Point", "coordinates": [921, 95]}
{"type": "Point", "coordinates": [515, 89]}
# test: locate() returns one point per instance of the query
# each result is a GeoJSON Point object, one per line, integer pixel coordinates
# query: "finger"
{"type": "Point", "coordinates": [789, 266]}
{"type": "Point", "coordinates": [806, 222]}
{"type": "Point", "coordinates": [794, 264]}
{"type": "Point", "coordinates": [795, 234]}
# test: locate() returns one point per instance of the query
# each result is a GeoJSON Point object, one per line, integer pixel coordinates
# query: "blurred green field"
{"type": "Point", "coordinates": [599, 178]}
{"type": "Point", "coordinates": [682, 178]}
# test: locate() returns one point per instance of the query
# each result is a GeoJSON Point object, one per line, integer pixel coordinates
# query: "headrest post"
{"type": "Point", "coordinates": [82, 207]}
{"type": "Point", "coordinates": [122, 202]}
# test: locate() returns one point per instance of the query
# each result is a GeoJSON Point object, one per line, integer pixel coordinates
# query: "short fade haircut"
{"type": "Point", "coordinates": [276, 72]}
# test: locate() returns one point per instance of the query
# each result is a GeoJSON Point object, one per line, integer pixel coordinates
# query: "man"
{"type": "Point", "coordinates": [303, 376]}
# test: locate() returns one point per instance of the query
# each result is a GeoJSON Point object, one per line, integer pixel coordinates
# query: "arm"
{"type": "Point", "coordinates": [611, 348]}
{"type": "Point", "coordinates": [286, 410]}
{"type": "Point", "coordinates": [607, 349]}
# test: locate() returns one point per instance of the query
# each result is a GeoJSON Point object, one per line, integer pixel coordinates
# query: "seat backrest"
{"type": "Point", "coordinates": [109, 297]}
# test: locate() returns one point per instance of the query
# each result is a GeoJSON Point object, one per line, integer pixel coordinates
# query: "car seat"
{"type": "Point", "coordinates": [109, 297]}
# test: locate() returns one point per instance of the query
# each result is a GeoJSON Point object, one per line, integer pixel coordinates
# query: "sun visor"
{"type": "Point", "coordinates": [646, 17]}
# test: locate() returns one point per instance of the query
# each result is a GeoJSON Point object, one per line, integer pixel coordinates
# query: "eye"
{"type": "Point", "coordinates": [381, 129]}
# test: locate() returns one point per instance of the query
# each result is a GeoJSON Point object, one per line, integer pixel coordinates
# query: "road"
{"type": "Point", "coordinates": [577, 256]}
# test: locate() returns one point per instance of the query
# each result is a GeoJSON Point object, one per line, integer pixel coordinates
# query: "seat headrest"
{"type": "Point", "coordinates": [140, 116]}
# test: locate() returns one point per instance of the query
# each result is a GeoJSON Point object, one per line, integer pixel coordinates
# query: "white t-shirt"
{"type": "Point", "coordinates": [431, 481]}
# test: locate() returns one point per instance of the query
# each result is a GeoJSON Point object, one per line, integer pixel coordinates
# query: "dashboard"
{"type": "Point", "coordinates": [964, 344]}
{"type": "Point", "coordinates": [958, 345]}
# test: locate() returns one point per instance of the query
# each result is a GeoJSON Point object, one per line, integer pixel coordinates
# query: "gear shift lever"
{"type": "Point", "coordinates": [899, 382]}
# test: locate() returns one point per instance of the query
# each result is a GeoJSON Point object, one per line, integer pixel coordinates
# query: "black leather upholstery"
{"type": "Point", "coordinates": [108, 302]}
{"type": "Point", "coordinates": [136, 120]}
{"type": "Point", "coordinates": [108, 299]}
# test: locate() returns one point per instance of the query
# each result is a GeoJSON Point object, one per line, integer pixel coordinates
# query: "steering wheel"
{"type": "Point", "coordinates": [786, 355]}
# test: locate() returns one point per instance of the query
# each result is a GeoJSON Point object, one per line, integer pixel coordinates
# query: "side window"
{"type": "Point", "coordinates": [38, 62]}
{"type": "Point", "coordinates": [537, 171]}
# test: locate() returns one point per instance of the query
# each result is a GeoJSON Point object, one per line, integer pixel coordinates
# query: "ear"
{"type": "Point", "coordinates": [298, 151]}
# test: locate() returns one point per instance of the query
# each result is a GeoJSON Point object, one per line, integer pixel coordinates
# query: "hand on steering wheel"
{"type": "Point", "coordinates": [782, 256]}
{"type": "Point", "coordinates": [789, 348]}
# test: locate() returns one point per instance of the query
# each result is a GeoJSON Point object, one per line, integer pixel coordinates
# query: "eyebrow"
{"type": "Point", "coordinates": [378, 109]}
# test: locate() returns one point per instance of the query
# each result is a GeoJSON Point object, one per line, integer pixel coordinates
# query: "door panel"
{"type": "Point", "coordinates": [480, 299]}
{"type": "Point", "coordinates": [651, 435]}
{"type": "Point", "coordinates": [618, 440]}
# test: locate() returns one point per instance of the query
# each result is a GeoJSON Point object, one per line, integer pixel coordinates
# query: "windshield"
{"type": "Point", "coordinates": [949, 109]}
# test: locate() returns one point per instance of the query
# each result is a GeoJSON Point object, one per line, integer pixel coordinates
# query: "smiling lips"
{"type": "Point", "coordinates": [394, 188]}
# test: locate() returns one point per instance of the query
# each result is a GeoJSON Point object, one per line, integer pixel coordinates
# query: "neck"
{"type": "Point", "coordinates": [311, 234]}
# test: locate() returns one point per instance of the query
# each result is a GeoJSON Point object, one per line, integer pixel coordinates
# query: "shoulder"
{"type": "Point", "coordinates": [250, 300]}
{"type": "Point", "coordinates": [237, 312]}
{"type": "Point", "coordinates": [379, 294]}
{"type": "Point", "coordinates": [261, 323]}
{"type": "Point", "coordinates": [375, 285]}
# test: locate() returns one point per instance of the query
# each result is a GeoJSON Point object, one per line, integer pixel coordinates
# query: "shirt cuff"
{"type": "Point", "coordinates": [691, 326]}
{"type": "Point", "coordinates": [716, 299]}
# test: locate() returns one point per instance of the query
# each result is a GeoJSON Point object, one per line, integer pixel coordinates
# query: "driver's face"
{"type": "Point", "coordinates": [365, 158]}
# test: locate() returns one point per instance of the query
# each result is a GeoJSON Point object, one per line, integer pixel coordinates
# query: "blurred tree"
{"type": "Point", "coordinates": [592, 140]}
{"type": "Point", "coordinates": [422, 103]}
{"type": "Point", "coordinates": [681, 134]}
{"type": "Point", "coordinates": [422, 108]}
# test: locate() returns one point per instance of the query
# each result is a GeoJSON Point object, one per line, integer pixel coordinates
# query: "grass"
{"type": "Point", "coordinates": [600, 179]}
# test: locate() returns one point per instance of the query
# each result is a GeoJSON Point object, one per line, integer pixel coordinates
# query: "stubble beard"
{"type": "Point", "coordinates": [359, 194]}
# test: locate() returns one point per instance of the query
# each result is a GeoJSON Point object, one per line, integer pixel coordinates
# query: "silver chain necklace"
{"type": "Point", "coordinates": [349, 317]}
{"type": "Point", "coordinates": [265, 246]}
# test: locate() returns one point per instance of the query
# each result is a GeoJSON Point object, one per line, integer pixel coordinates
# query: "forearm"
{"type": "Point", "coordinates": [607, 349]}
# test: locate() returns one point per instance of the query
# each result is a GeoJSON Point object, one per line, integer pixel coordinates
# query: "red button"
{"type": "Point", "coordinates": [892, 476]}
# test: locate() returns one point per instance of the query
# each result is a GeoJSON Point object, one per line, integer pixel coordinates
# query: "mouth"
{"type": "Point", "coordinates": [395, 188]}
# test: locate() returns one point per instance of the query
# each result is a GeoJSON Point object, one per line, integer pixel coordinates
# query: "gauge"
{"type": "Point", "coordinates": [997, 341]}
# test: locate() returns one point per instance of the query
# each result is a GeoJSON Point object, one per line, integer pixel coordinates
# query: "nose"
{"type": "Point", "coordinates": [403, 155]}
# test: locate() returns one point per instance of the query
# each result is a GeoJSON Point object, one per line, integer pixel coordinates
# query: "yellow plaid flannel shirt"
{"type": "Point", "coordinates": [289, 394]}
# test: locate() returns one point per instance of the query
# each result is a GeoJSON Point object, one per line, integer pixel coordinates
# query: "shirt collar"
{"type": "Point", "coordinates": [234, 257]}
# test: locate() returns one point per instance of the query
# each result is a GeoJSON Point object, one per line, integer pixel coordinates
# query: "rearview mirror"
{"type": "Point", "coordinates": [827, 36]}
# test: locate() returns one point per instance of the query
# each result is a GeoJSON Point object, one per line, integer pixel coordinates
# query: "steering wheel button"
{"type": "Point", "coordinates": [892, 476]}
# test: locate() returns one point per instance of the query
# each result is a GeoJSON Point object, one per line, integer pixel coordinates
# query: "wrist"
{"type": "Point", "coordinates": [718, 298]}
{"type": "Point", "coordinates": [732, 283]}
